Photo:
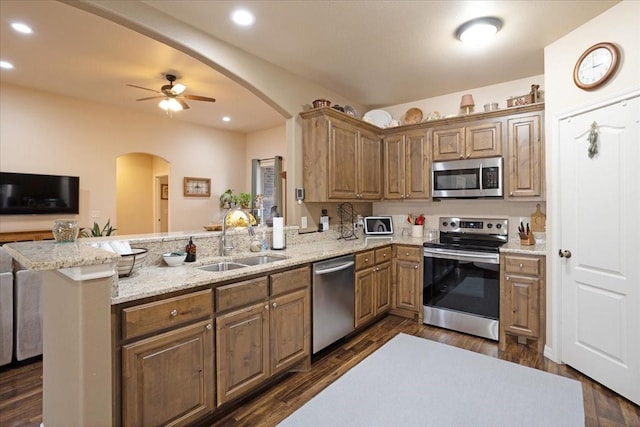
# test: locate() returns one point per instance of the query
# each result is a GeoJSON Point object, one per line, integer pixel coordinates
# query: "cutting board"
{"type": "Point", "coordinates": [538, 220]}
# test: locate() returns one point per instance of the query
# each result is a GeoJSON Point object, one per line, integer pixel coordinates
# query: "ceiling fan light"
{"type": "Point", "coordinates": [478, 31]}
{"type": "Point", "coordinates": [178, 88]}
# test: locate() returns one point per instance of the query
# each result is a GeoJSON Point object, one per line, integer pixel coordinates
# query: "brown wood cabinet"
{"type": "Point", "coordinates": [522, 299]}
{"type": "Point", "coordinates": [407, 166]}
{"type": "Point", "coordinates": [372, 284]}
{"type": "Point", "coordinates": [474, 140]}
{"type": "Point", "coordinates": [262, 333]}
{"type": "Point", "coordinates": [407, 285]}
{"type": "Point", "coordinates": [168, 378]}
{"type": "Point", "coordinates": [342, 158]}
{"type": "Point", "coordinates": [524, 171]}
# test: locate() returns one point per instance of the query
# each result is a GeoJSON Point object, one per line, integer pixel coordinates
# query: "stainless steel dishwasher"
{"type": "Point", "coordinates": [333, 300]}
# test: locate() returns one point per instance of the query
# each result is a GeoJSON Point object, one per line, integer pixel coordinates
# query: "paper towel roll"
{"type": "Point", "coordinates": [278, 233]}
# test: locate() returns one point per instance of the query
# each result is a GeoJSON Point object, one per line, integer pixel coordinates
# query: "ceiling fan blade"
{"type": "Point", "coordinates": [182, 104]}
{"type": "Point", "coordinates": [145, 88]}
{"type": "Point", "coordinates": [150, 97]}
{"type": "Point", "coordinates": [199, 98]}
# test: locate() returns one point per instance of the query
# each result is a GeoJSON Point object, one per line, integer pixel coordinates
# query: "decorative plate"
{"type": "Point", "coordinates": [380, 118]}
{"type": "Point", "coordinates": [351, 111]}
{"type": "Point", "coordinates": [413, 115]}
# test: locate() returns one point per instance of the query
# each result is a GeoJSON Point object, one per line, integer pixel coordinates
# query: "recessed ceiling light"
{"type": "Point", "coordinates": [6, 65]}
{"type": "Point", "coordinates": [243, 17]}
{"type": "Point", "coordinates": [478, 31]}
{"type": "Point", "coordinates": [21, 28]}
{"type": "Point", "coordinates": [226, 119]}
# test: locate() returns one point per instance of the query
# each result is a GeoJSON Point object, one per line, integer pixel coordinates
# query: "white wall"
{"type": "Point", "coordinates": [619, 25]}
{"type": "Point", "coordinates": [45, 133]}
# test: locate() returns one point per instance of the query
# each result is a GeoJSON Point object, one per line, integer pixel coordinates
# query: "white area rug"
{"type": "Point", "coordinates": [412, 381]}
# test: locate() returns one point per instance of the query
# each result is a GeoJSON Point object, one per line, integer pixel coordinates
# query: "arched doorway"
{"type": "Point", "coordinates": [142, 203]}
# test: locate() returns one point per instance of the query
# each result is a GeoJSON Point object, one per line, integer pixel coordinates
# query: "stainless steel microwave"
{"type": "Point", "coordinates": [469, 178]}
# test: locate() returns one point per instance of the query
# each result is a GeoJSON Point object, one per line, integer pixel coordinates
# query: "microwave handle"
{"type": "Point", "coordinates": [481, 177]}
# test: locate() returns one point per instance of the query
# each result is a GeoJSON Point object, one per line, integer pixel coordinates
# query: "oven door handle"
{"type": "Point", "coordinates": [460, 256]}
{"type": "Point", "coordinates": [480, 177]}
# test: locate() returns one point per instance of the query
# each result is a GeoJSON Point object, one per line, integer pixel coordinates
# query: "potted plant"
{"type": "Point", "coordinates": [227, 199]}
{"type": "Point", "coordinates": [244, 200]}
{"type": "Point", "coordinates": [96, 231]}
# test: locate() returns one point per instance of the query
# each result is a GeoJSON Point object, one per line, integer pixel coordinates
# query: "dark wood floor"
{"type": "Point", "coordinates": [21, 387]}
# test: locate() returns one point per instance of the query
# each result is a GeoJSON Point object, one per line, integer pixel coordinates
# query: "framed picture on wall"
{"type": "Point", "coordinates": [164, 191]}
{"type": "Point", "coordinates": [197, 187]}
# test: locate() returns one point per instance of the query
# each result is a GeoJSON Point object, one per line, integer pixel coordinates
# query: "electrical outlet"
{"type": "Point", "coordinates": [95, 214]}
{"type": "Point", "coordinates": [303, 222]}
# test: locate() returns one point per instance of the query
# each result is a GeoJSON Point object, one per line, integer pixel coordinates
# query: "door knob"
{"type": "Point", "coordinates": [564, 254]}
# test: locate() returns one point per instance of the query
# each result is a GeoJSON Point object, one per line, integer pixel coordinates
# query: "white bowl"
{"type": "Point", "coordinates": [130, 262]}
{"type": "Point", "coordinates": [174, 259]}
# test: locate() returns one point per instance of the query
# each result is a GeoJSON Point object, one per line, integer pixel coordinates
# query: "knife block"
{"type": "Point", "coordinates": [529, 241]}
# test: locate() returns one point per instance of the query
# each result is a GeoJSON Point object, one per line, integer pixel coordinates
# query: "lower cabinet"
{"type": "Point", "coordinates": [522, 299]}
{"type": "Point", "coordinates": [168, 379]}
{"type": "Point", "coordinates": [372, 284]}
{"type": "Point", "coordinates": [264, 332]}
{"type": "Point", "coordinates": [407, 284]}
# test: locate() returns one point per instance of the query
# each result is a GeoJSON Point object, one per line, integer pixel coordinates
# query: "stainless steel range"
{"type": "Point", "coordinates": [462, 275]}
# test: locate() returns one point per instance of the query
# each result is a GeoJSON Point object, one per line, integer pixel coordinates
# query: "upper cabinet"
{"type": "Point", "coordinates": [524, 172]}
{"type": "Point", "coordinates": [342, 158]}
{"type": "Point", "coordinates": [407, 166]}
{"type": "Point", "coordinates": [348, 159]}
{"type": "Point", "coordinates": [472, 141]}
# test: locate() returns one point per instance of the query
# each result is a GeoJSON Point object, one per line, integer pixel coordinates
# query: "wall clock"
{"type": "Point", "coordinates": [197, 187]}
{"type": "Point", "coordinates": [596, 65]}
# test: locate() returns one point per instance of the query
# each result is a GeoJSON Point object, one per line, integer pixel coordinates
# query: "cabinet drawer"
{"type": "Point", "coordinates": [241, 293]}
{"type": "Point", "coordinates": [383, 254]}
{"type": "Point", "coordinates": [411, 253]}
{"type": "Point", "coordinates": [166, 313]}
{"type": "Point", "coordinates": [522, 265]}
{"type": "Point", "coordinates": [365, 259]}
{"type": "Point", "coordinates": [287, 281]}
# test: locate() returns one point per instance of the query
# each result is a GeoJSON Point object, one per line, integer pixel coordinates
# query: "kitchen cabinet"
{"type": "Point", "coordinates": [264, 329]}
{"type": "Point", "coordinates": [471, 141]}
{"type": "Point", "coordinates": [342, 157]}
{"type": "Point", "coordinates": [407, 284]}
{"type": "Point", "coordinates": [168, 377]}
{"type": "Point", "coordinates": [525, 157]}
{"type": "Point", "coordinates": [407, 166]}
{"type": "Point", "coordinates": [372, 284]}
{"type": "Point", "coordinates": [522, 299]}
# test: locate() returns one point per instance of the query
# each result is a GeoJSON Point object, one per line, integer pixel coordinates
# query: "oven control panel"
{"type": "Point", "coordinates": [498, 226]}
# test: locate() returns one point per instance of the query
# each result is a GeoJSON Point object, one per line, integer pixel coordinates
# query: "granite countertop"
{"type": "Point", "coordinates": [514, 246]}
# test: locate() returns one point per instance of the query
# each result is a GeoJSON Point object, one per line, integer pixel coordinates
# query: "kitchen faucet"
{"type": "Point", "coordinates": [227, 246]}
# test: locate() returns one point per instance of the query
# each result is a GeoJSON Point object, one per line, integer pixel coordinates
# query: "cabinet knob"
{"type": "Point", "coordinates": [174, 313]}
{"type": "Point", "coordinates": [461, 156]}
{"type": "Point", "coordinates": [402, 196]}
{"type": "Point", "coordinates": [415, 266]}
{"type": "Point", "coordinates": [511, 194]}
{"type": "Point", "coordinates": [209, 326]}
{"type": "Point", "coordinates": [521, 266]}
{"type": "Point", "coordinates": [406, 254]}
{"type": "Point", "coordinates": [406, 195]}
{"type": "Point", "coordinates": [366, 260]}
{"type": "Point", "coordinates": [266, 307]}
{"type": "Point", "coordinates": [384, 255]}
{"type": "Point", "coordinates": [508, 278]}
{"type": "Point", "coordinates": [274, 304]}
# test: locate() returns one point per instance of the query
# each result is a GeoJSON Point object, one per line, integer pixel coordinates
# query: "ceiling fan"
{"type": "Point", "coordinates": [171, 95]}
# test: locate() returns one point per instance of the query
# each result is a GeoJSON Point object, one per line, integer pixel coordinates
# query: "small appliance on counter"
{"type": "Point", "coordinates": [378, 226]}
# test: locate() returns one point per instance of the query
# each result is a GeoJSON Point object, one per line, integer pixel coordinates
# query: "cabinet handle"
{"type": "Point", "coordinates": [274, 304]}
{"type": "Point", "coordinates": [511, 194]}
{"type": "Point", "coordinates": [415, 266]}
{"type": "Point", "coordinates": [208, 327]}
{"type": "Point", "coordinates": [174, 313]}
{"type": "Point", "coordinates": [402, 196]}
{"type": "Point", "coordinates": [461, 156]}
{"type": "Point", "coordinates": [521, 266]}
{"type": "Point", "coordinates": [366, 260]}
{"type": "Point", "coordinates": [507, 278]}
{"type": "Point", "coordinates": [406, 195]}
{"type": "Point", "coordinates": [266, 307]}
{"type": "Point", "coordinates": [406, 254]}
{"type": "Point", "coordinates": [384, 255]}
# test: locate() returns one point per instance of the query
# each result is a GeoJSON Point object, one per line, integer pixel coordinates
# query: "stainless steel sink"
{"type": "Point", "coordinates": [261, 259]}
{"type": "Point", "coordinates": [222, 266]}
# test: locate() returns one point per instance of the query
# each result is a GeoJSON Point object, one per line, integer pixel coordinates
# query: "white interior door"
{"type": "Point", "coordinates": [599, 218]}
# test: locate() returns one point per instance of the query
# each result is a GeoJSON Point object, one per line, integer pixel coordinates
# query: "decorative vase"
{"type": "Point", "coordinates": [65, 230]}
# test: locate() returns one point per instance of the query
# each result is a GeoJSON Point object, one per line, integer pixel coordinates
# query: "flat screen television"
{"type": "Point", "coordinates": [27, 193]}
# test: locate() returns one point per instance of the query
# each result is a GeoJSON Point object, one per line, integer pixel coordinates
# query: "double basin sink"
{"type": "Point", "coordinates": [241, 263]}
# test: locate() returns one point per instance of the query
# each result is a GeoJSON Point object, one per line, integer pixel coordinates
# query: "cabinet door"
{"type": "Point", "coordinates": [525, 158]}
{"type": "Point", "coordinates": [448, 144]}
{"type": "Point", "coordinates": [417, 166]}
{"type": "Point", "coordinates": [408, 284]}
{"type": "Point", "coordinates": [369, 163]}
{"type": "Point", "coordinates": [383, 287]}
{"type": "Point", "coordinates": [394, 159]}
{"type": "Point", "coordinates": [242, 350]}
{"type": "Point", "coordinates": [290, 325]}
{"type": "Point", "coordinates": [520, 305]}
{"type": "Point", "coordinates": [343, 149]}
{"type": "Point", "coordinates": [169, 379]}
{"type": "Point", "coordinates": [365, 296]}
{"type": "Point", "coordinates": [484, 140]}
